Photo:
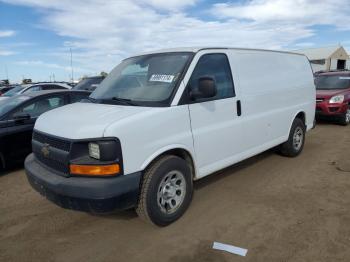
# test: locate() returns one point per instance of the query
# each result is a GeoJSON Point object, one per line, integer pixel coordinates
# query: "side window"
{"type": "Point", "coordinates": [46, 87]}
{"type": "Point", "coordinates": [52, 87]}
{"type": "Point", "coordinates": [56, 87]}
{"type": "Point", "coordinates": [33, 89]}
{"type": "Point", "coordinates": [42, 105]}
{"type": "Point", "coordinates": [78, 97]}
{"type": "Point", "coordinates": [216, 66]}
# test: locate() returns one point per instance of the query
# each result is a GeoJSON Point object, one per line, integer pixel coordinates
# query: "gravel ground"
{"type": "Point", "coordinates": [280, 209]}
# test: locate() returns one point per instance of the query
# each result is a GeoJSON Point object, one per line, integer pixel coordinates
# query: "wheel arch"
{"type": "Point", "coordinates": [301, 115]}
{"type": "Point", "coordinates": [177, 150]}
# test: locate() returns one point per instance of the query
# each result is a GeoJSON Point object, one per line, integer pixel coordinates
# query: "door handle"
{"type": "Point", "coordinates": [239, 108]}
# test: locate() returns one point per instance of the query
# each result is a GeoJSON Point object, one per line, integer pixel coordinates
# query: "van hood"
{"type": "Point", "coordinates": [326, 94]}
{"type": "Point", "coordinates": [84, 120]}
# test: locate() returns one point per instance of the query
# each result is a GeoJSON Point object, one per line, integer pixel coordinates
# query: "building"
{"type": "Point", "coordinates": [327, 58]}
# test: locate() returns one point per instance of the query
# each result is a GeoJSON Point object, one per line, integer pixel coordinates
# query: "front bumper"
{"type": "Point", "coordinates": [326, 109]}
{"type": "Point", "coordinates": [96, 195]}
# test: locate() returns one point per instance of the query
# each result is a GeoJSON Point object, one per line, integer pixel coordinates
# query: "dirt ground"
{"type": "Point", "coordinates": [280, 209]}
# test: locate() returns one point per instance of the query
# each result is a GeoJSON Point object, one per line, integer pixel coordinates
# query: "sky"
{"type": "Point", "coordinates": [36, 36]}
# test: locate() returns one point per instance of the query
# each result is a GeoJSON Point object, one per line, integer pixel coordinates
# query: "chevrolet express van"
{"type": "Point", "coordinates": [163, 119]}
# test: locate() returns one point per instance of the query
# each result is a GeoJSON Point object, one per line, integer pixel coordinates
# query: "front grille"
{"type": "Point", "coordinates": [334, 109]}
{"type": "Point", "coordinates": [52, 141]}
{"type": "Point", "coordinates": [51, 163]}
{"type": "Point", "coordinates": [58, 151]}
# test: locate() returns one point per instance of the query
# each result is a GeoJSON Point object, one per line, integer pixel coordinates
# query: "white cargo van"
{"type": "Point", "coordinates": [163, 119]}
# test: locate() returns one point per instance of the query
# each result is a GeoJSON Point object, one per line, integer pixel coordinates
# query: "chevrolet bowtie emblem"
{"type": "Point", "coordinates": [45, 150]}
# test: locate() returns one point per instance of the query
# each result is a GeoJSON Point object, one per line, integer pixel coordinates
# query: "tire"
{"type": "Point", "coordinates": [345, 119]}
{"type": "Point", "coordinates": [295, 143]}
{"type": "Point", "coordinates": [2, 162]}
{"type": "Point", "coordinates": [167, 180]}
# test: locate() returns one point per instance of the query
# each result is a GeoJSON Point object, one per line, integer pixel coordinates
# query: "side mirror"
{"type": "Point", "coordinates": [206, 88]}
{"type": "Point", "coordinates": [18, 117]}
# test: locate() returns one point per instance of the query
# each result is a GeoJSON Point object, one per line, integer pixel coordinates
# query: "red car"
{"type": "Point", "coordinates": [333, 96]}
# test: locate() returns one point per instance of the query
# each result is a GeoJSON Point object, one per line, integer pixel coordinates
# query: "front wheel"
{"type": "Point", "coordinates": [295, 143]}
{"type": "Point", "coordinates": [166, 191]}
{"type": "Point", "coordinates": [345, 119]}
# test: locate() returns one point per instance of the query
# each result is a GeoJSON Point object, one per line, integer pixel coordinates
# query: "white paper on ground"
{"type": "Point", "coordinates": [229, 248]}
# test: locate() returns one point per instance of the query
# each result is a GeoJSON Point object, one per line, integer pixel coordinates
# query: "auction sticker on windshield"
{"type": "Point", "coordinates": [162, 78]}
{"type": "Point", "coordinates": [344, 78]}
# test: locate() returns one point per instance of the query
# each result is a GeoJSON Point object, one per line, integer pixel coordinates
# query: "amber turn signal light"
{"type": "Point", "coordinates": [88, 170]}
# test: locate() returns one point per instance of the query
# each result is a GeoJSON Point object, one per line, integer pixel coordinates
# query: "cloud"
{"type": "Point", "coordinates": [101, 32]}
{"type": "Point", "coordinates": [42, 64]}
{"type": "Point", "coordinates": [7, 33]}
{"type": "Point", "coordinates": [39, 63]}
{"type": "Point", "coordinates": [170, 4]}
{"type": "Point", "coordinates": [281, 12]}
{"type": "Point", "coordinates": [6, 53]}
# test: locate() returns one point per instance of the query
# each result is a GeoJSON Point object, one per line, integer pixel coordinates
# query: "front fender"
{"type": "Point", "coordinates": [165, 149]}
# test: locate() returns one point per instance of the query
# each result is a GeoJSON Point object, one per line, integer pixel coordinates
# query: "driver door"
{"type": "Point", "coordinates": [216, 127]}
{"type": "Point", "coordinates": [19, 132]}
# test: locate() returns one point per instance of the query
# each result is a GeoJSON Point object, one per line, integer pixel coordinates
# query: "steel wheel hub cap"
{"type": "Point", "coordinates": [171, 192]}
{"type": "Point", "coordinates": [348, 116]}
{"type": "Point", "coordinates": [298, 138]}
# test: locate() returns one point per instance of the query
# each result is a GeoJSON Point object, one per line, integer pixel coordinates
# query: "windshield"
{"type": "Point", "coordinates": [13, 91]}
{"type": "Point", "coordinates": [332, 82]}
{"type": "Point", "coordinates": [147, 80]}
{"type": "Point", "coordinates": [9, 104]}
{"type": "Point", "coordinates": [88, 83]}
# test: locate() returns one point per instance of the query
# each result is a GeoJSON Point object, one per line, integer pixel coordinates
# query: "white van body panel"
{"type": "Point", "coordinates": [273, 87]}
{"type": "Point", "coordinates": [146, 136]}
{"type": "Point", "coordinates": [84, 120]}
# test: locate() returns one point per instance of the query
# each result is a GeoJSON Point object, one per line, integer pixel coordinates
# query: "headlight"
{"type": "Point", "coordinates": [94, 150]}
{"type": "Point", "coordinates": [96, 157]}
{"type": "Point", "coordinates": [337, 99]}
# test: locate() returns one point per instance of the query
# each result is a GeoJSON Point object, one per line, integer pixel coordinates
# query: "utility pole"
{"type": "Point", "coordinates": [71, 63]}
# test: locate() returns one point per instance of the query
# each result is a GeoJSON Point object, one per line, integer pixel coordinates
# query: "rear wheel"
{"type": "Point", "coordinates": [345, 119]}
{"type": "Point", "coordinates": [295, 143]}
{"type": "Point", "coordinates": [166, 191]}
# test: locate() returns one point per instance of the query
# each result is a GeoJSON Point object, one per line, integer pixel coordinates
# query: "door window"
{"type": "Point", "coordinates": [217, 67]}
{"type": "Point", "coordinates": [78, 97]}
{"type": "Point", "coordinates": [32, 89]}
{"type": "Point", "coordinates": [41, 106]}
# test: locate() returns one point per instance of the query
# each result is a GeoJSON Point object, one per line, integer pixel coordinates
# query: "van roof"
{"type": "Point", "coordinates": [197, 49]}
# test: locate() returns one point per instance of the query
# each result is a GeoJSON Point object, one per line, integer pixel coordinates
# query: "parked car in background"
{"type": "Point", "coordinates": [89, 83]}
{"type": "Point", "coordinates": [4, 89]}
{"type": "Point", "coordinates": [333, 96]}
{"type": "Point", "coordinates": [18, 115]}
{"type": "Point", "coordinates": [26, 88]}
{"type": "Point", "coordinates": [4, 82]}
{"type": "Point", "coordinates": [163, 119]}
